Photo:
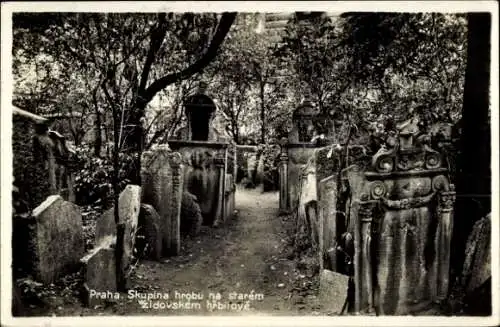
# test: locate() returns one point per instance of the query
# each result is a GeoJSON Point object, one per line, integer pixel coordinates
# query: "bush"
{"type": "Point", "coordinates": [271, 160]}
{"type": "Point", "coordinates": [93, 177]}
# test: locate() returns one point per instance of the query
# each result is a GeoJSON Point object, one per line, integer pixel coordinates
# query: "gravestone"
{"type": "Point", "coordinates": [162, 182]}
{"type": "Point", "coordinates": [333, 289]}
{"type": "Point", "coordinates": [207, 156]}
{"type": "Point", "coordinates": [151, 229]}
{"type": "Point", "coordinates": [99, 271]}
{"type": "Point", "coordinates": [53, 237]}
{"type": "Point", "coordinates": [477, 265]}
{"type": "Point", "coordinates": [228, 197]}
{"type": "Point", "coordinates": [327, 210]}
{"type": "Point", "coordinates": [402, 227]}
{"type": "Point", "coordinates": [128, 211]}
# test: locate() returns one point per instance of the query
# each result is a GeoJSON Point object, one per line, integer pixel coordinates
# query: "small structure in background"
{"type": "Point", "coordinates": [209, 160]}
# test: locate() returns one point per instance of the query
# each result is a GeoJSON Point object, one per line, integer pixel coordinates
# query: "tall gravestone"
{"type": "Point", "coordinates": [49, 242]}
{"type": "Point", "coordinates": [162, 184]}
{"type": "Point", "coordinates": [403, 216]}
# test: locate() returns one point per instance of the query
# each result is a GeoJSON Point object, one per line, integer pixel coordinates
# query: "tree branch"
{"type": "Point", "coordinates": [225, 24]}
{"type": "Point", "coordinates": [157, 36]}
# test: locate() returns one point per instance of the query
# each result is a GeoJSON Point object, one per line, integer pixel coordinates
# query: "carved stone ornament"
{"type": "Point", "coordinates": [407, 153]}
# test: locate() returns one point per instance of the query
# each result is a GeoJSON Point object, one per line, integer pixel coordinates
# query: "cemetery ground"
{"type": "Point", "coordinates": [252, 252]}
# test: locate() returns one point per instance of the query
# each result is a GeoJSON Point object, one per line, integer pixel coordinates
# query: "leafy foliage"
{"type": "Point", "coordinates": [93, 180]}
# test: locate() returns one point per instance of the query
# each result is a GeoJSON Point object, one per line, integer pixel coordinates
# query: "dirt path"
{"type": "Point", "coordinates": [246, 257]}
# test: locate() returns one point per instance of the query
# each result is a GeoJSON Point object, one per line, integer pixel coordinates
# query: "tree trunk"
{"type": "Point", "coordinates": [474, 171]}
{"type": "Point", "coordinates": [98, 131]}
{"type": "Point", "coordinates": [236, 134]}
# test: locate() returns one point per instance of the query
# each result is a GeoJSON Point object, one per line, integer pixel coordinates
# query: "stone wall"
{"type": "Point", "coordinates": [41, 161]}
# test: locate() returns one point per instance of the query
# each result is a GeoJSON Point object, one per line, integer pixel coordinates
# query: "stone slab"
{"type": "Point", "coordinates": [99, 272]}
{"type": "Point", "coordinates": [56, 238]}
{"type": "Point", "coordinates": [128, 210]}
{"type": "Point", "coordinates": [477, 266]}
{"type": "Point", "coordinates": [163, 182]}
{"type": "Point", "coordinates": [150, 221]}
{"type": "Point", "coordinates": [333, 290]}
{"type": "Point", "coordinates": [327, 206]}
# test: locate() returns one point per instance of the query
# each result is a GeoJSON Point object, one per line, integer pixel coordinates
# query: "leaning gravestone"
{"type": "Point", "coordinates": [327, 210]}
{"type": "Point", "coordinates": [333, 289]}
{"type": "Point", "coordinates": [54, 236]}
{"type": "Point", "coordinates": [477, 265]}
{"type": "Point", "coordinates": [129, 204]}
{"type": "Point", "coordinates": [191, 217]}
{"type": "Point", "coordinates": [162, 181]}
{"type": "Point", "coordinates": [476, 275]}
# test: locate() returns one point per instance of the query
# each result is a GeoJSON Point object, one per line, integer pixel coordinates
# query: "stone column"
{"type": "Point", "coordinates": [446, 200]}
{"type": "Point", "coordinates": [219, 212]}
{"type": "Point", "coordinates": [175, 205]}
{"type": "Point", "coordinates": [283, 178]}
{"type": "Point", "coordinates": [224, 190]}
{"type": "Point", "coordinates": [362, 258]}
{"type": "Point", "coordinates": [235, 175]}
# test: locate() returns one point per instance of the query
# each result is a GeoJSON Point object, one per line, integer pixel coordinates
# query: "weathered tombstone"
{"type": "Point", "coordinates": [477, 266]}
{"type": "Point", "coordinates": [54, 236]}
{"type": "Point", "coordinates": [333, 288]}
{"type": "Point", "coordinates": [128, 211]}
{"type": "Point", "coordinates": [327, 225]}
{"type": "Point", "coordinates": [252, 168]}
{"type": "Point", "coordinates": [162, 183]}
{"type": "Point", "coordinates": [308, 197]}
{"type": "Point", "coordinates": [150, 222]}
{"type": "Point", "coordinates": [403, 224]}
{"type": "Point", "coordinates": [191, 218]}
{"type": "Point", "coordinates": [99, 272]}
{"type": "Point", "coordinates": [259, 173]}
{"type": "Point", "coordinates": [229, 195]}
